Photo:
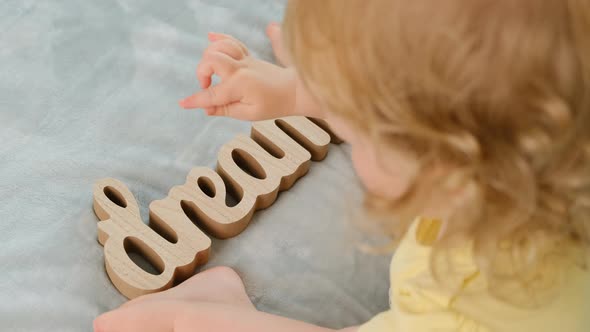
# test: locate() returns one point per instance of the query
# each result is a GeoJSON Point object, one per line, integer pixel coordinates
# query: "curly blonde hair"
{"type": "Point", "coordinates": [497, 91]}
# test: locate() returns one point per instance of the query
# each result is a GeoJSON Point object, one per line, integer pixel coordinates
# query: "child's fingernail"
{"type": "Point", "coordinates": [271, 26]}
{"type": "Point", "coordinates": [212, 36]}
{"type": "Point", "coordinates": [182, 103]}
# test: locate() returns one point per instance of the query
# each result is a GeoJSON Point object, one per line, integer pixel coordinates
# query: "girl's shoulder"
{"type": "Point", "coordinates": [452, 282]}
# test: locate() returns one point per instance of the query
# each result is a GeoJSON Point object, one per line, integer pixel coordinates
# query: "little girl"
{"type": "Point", "coordinates": [469, 122]}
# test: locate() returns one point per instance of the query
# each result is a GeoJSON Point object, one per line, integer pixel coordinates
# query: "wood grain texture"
{"type": "Point", "coordinates": [121, 230]}
{"type": "Point", "coordinates": [326, 127]}
{"type": "Point", "coordinates": [252, 170]}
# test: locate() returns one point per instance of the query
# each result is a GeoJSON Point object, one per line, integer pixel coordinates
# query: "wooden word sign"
{"type": "Point", "coordinates": [250, 170]}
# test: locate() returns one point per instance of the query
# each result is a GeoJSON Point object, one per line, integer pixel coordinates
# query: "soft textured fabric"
{"type": "Point", "coordinates": [89, 89]}
{"type": "Point", "coordinates": [419, 303]}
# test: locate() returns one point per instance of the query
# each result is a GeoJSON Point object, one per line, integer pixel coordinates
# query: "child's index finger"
{"type": "Point", "coordinates": [198, 100]}
{"type": "Point", "coordinates": [214, 36]}
{"type": "Point", "coordinates": [217, 95]}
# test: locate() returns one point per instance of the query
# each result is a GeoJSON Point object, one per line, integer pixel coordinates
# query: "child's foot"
{"type": "Point", "coordinates": [273, 31]}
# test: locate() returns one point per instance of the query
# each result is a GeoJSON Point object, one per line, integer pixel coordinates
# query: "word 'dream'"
{"type": "Point", "coordinates": [251, 171]}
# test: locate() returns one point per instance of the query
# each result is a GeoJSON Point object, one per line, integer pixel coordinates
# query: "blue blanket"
{"type": "Point", "coordinates": [89, 89]}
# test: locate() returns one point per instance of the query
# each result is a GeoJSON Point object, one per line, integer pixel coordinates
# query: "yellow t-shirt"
{"type": "Point", "coordinates": [420, 304]}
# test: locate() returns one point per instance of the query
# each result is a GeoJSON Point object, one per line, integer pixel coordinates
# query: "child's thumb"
{"type": "Point", "coordinates": [274, 34]}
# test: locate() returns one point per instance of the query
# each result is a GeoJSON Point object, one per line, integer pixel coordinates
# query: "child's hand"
{"type": "Point", "coordinates": [273, 31]}
{"type": "Point", "coordinates": [173, 309]}
{"type": "Point", "coordinates": [213, 300]}
{"type": "Point", "coordinates": [250, 89]}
